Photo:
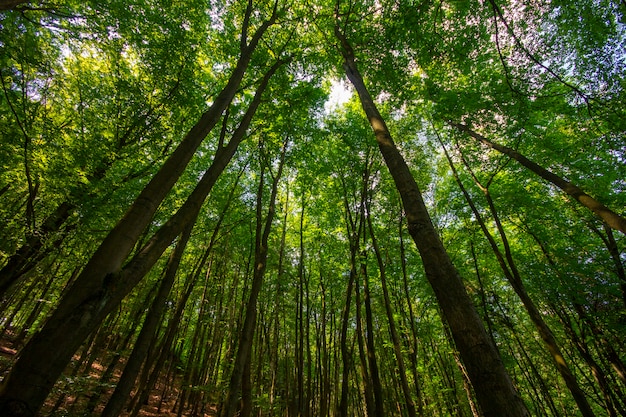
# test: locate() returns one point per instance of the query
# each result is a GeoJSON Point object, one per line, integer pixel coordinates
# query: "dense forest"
{"type": "Point", "coordinates": [313, 208]}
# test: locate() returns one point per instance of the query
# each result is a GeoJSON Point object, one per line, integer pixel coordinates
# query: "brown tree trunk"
{"type": "Point", "coordinates": [395, 338]}
{"type": "Point", "coordinates": [495, 392]}
{"type": "Point", "coordinates": [102, 285]}
{"type": "Point", "coordinates": [614, 220]}
{"type": "Point", "coordinates": [260, 264]}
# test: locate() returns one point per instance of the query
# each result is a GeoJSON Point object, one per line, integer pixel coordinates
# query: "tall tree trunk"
{"type": "Point", "coordinates": [614, 220]}
{"type": "Point", "coordinates": [260, 264]}
{"type": "Point", "coordinates": [346, 360]}
{"type": "Point", "coordinates": [149, 373]}
{"type": "Point", "coordinates": [377, 388]}
{"type": "Point", "coordinates": [414, 345]}
{"type": "Point", "coordinates": [274, 349]}
{"type": "Point", "coordinates": [102, 285]}
{"type": "Point", "coordinates": [368, 392]}
{"type": "Point", "coordinates": [299, 329]}
{"type": "Point", "coordinates": [494, 390]}
{"type": "Point", "coordinates": [395, 338]}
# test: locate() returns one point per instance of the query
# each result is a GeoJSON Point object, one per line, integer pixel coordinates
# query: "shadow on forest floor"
{"type": "Point", "coordinates": [74, 390]}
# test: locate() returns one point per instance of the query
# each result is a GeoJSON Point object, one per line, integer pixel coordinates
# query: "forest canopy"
{"type": "Point", "coordinates": [313, 208]}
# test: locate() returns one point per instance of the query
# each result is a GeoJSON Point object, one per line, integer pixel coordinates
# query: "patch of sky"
{"type": "Point", "coordinates": [340, 93]}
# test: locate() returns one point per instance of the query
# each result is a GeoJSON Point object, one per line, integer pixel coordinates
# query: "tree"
{"type": "Point", "coordinates": [496, 396]}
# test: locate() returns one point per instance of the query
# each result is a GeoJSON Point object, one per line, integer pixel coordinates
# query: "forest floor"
{"type": "Point", "coordinates": [73, 393]}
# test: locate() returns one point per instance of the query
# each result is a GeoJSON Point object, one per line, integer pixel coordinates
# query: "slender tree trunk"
{"type": "Point", "coordinates": [299, 329]}
{"type": "Point", "coordinates": [598, 373]}
{"type": "Point", "coordinates": [274, 349]}
{"type": "Point", "coordinates": [368, 392]}
{"type": "Point", "coordinates": [260, 264]}
{"type": "Point", "coordinates": [614, 220]}
{"type": "Point", "coordinates": [395, 338]}
{"type": "Point", "coordinates": [342, 408]}
{"type": "Point", "coordinates": [150, 373]}
{"type": "Point", "coordinates": [496, 394]}
{"type": "Point", "coordinates": [377, 388]}
{"type": "Point", "coordinates": [414, 345]}
{"type": "Point", "coordinates": [616, 256]}
{"type": "Point", "coordinates": [609, 351]}
{"type": "Point", "coordinates": [101, 286]}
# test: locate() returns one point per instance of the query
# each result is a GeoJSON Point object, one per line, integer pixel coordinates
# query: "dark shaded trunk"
{"type": "Point", "coordinates": [495, 392]}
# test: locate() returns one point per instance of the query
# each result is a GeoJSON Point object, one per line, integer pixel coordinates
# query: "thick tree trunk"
{"type": "Point", "coordinates": [101, 286]}
{"type": "Point", "coordinates": [495, 392]}
{"type": "Point", "coordinates": [614, 220]}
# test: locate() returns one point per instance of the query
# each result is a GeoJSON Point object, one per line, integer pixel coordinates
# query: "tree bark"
{"type": "Point", "coordinates": [494, 389]}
